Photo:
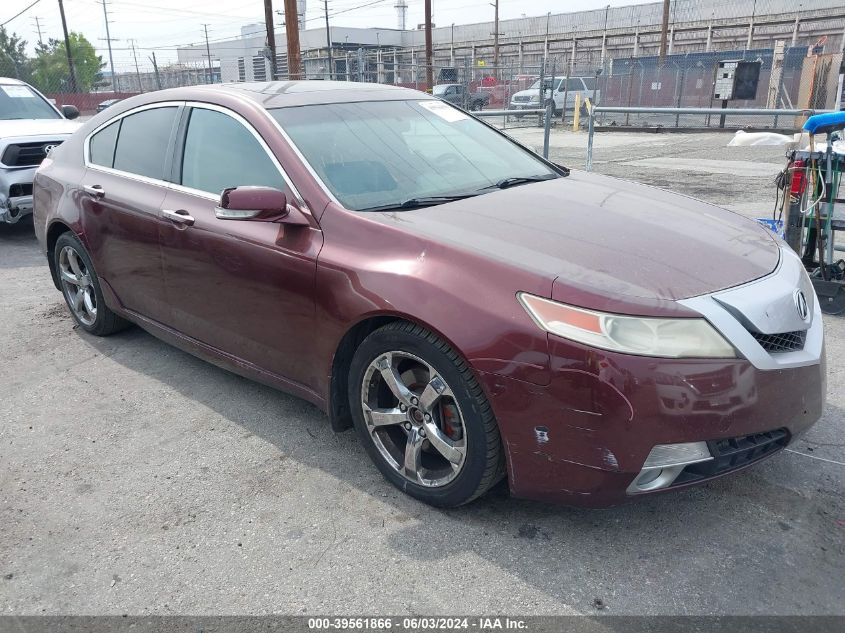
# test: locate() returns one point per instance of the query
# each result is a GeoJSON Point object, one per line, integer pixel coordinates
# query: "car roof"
{"type": "Point", "coordinates": [9, 80]}
{"type": "Point", "coordinates": [281, 94]}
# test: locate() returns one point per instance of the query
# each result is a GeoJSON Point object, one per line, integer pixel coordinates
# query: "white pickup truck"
{"type": "Point", "coordinates": [562, 87]}
{"type": "Point", "coordinates": [30, 127]}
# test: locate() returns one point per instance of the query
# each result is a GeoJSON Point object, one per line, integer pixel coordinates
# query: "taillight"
{"type": "Point", "coordinates": [799, 180]}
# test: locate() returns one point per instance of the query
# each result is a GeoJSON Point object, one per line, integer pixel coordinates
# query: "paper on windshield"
{"type": "Point", "coordinates": [445, 112]}
{"type": "Point", "coordinates": [18, 92]}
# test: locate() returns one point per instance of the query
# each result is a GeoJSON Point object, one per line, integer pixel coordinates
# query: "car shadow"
{"type": "Point", "coordinates": [707, 549]}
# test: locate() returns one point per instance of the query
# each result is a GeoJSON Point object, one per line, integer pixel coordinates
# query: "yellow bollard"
{"type": "Point", "coordinates": [576, 117]}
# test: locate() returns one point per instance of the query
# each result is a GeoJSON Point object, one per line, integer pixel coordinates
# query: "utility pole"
{"type": "Point", "coordinates": [208, 54]}
{"type": "Point", "coordinates": [429, 71]}
{"type": "Point", "coordinates": [71, 70]}
{"type": "Point", "coordinates": [292, 37]}
{"type": "Point", "coordinates": [155, 68]}
{"type": "Point", "coordinates": [271, 38]}
{"type": "Point", "coordinates": [329, 38]}
{"type": "Point", "coordinates": [38, 27]}
{"type": "Point", "coordinates": [496, 39]}
{"type": "Point", "coordinates": [108, 41]}
{"type": "Point", "coordinates": [137, 70]}
{"type": "Point", "coordinates": [664, 31]}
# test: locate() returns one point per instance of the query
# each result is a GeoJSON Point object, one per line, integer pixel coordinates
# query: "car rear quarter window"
{"type": "Point", "coordinates": [101, 148]}
{"type": "Point", "coordinates": [143, 142]}
{"type": "Point", "coordinates": [221, 153]}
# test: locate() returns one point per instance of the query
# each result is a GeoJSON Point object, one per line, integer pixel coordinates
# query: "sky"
{"type": "Point", "coordinates": [159, 26]}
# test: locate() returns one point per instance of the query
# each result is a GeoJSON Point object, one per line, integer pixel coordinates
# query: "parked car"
{"type": "Point", "coordinates": [107, 104]}
{"type": "Point", "coordinates": [561, 87]}
{"type": "Point", "coordinates": [474, 311]}
{"type": "Point", "coordinates": [455, 94]}
{"type": "Point", "coordinates": [30, 128]}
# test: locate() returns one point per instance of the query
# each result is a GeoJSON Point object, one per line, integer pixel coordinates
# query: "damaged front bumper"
{"type": "Point", "coordinates": [15, 194]}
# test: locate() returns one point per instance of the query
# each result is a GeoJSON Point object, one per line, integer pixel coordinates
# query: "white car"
{"type": "Point", "coordinates": [30, 127]}
{"type": "Point", "coordinates": [569, 86]}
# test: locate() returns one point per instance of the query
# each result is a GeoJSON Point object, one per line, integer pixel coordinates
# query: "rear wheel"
{"type": "Point", "coordinates": [81, 288]}
{"type": "Point", "coordinates": [422, 416]}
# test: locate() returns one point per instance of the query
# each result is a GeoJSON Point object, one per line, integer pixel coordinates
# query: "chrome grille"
{"type": "Point", "coordinates": [26, 154]}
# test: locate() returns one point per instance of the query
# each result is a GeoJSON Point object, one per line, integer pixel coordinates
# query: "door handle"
{"type": "Point", "coordinates": [181, 216]}
{"type": "Point", "coordinates": [94, 190]}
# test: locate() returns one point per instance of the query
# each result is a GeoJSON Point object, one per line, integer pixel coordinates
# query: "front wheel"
{"type": "Point", "coordinates": [423, 417]}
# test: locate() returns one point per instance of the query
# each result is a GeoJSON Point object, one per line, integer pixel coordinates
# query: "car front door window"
{"type": "Point", "coordinates": [221, 153]}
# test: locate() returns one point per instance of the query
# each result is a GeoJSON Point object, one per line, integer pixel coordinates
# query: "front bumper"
{"type": "Point", "coordinates": [584, 438]}
{"type": "Point", "coordinates": [15, 194]}
{"type": "Point", "coordinates": [524, 106]}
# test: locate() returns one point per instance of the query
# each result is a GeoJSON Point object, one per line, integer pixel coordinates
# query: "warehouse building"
{"type": "Point", "coordinates": [577, 42]}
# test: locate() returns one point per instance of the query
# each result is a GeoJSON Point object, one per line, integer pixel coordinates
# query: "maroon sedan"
{"type": "Point", "coordinates": [475, 311]}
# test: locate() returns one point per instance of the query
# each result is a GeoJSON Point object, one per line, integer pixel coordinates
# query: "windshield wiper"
{"type": "Point", "coordinates": [519, 180]}
{"type": "Point", "coordinates": [418, 203]}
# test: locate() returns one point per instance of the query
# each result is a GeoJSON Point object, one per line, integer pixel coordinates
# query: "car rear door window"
{"type": "Point", "coordinates": [143, 142]}
{"type": "Point", "coordinates": [220, 152]}
{"type": "Point", "coordinates": [101, 147]}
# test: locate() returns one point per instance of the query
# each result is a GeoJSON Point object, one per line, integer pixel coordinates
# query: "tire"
{"type": "Point", "coordinates": [459, 416]}
{"type": "Point", "coordinates": [90, 312]}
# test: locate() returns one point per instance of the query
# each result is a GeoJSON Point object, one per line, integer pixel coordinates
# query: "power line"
{"type": "Point", "coordinates": [17, 15]}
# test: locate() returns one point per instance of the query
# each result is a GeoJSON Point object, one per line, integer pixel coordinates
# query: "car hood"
{"type": "Point", "coordinates": [607, 243]}
{"type": "Point", "coordinates": [526, 93]}
{"type": "Point", "coordinates": [36, 127]}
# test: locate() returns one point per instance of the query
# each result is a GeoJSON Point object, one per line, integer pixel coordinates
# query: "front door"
{"type": "Point", "coordinates": [243, 287]}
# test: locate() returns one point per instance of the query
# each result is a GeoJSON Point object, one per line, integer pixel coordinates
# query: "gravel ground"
{"type": "Point", "coordinates": [137, 479]}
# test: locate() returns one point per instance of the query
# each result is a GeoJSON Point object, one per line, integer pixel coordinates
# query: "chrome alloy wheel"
{"type": "Point", "coordinates": [414, 419]}
{"type": "Point", "coordinates": [77, 286]}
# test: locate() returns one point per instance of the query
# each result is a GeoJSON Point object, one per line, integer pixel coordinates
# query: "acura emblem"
{"type": "Point", "coordinates": [49, 148]}
{"type": "Point", "coordinates": [801, 305]}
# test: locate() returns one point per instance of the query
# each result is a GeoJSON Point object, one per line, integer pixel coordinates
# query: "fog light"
{"type": "Point", "coordinates": [665, 462]}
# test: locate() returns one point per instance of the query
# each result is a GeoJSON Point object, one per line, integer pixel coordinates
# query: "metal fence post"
{"type": "Point", "coordinates": [590, 133]}
{"type": "Point", "coordinates": [550, 106]}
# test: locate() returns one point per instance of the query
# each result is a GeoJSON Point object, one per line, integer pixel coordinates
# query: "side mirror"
{"type": "Point", "coordinates": [70, 111]}
{"type": "Point", "coordinates": [261, 204]}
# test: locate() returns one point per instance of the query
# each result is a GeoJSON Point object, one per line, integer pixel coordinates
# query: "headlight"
{"type": "Point", "coordinates": [535, 98]}
{"type": "Point", "coordinates": [647, 336]}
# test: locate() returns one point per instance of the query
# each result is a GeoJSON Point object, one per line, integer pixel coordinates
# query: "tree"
{"type": "Point", "coordinates": [50, 70]}
{"type": "Point", "coordinates": [13, 59]}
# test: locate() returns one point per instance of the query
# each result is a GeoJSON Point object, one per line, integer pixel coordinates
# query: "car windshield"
{"type": "Point", "coordinates": [439, 90]}
{"type": "Point", "coordinates": [381, 154]}
{"type": "Point", "coordinates": [546, 84]}
{"type": "Point", "coordinates": [21, 102]}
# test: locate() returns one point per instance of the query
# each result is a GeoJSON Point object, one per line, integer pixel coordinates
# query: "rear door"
{"type": "Point", "coordinates": [124, 187]}
{"type": "Point", "coordinates": [243, 287]}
